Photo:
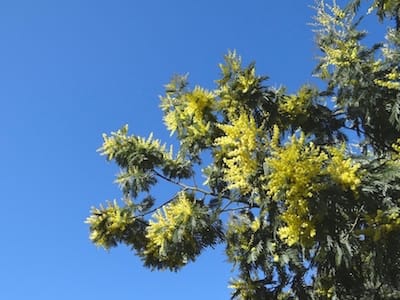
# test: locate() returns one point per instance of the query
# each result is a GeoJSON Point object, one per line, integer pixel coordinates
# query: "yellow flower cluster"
{"type": "Point", "coordinates": [247, 80]}
{"type": "Point", "coordinates": [108, 224]}
{"type": "Point", "coordinates": [171, 120]}
{"type": "Point", "coordinates": [396, 148]}
{"type": "Point", "coordinates": [343, 50]}
{"type": "Point", "coordinates": [382, 224]}
{"type": "Point", "coordinates": [338, 12]}
{"type": "Point", "coordinates": [245, 289]}
{"type": "Point", "coordinates": [239, 144]}
{"type": "Point", "coordinates": [255, 225]}
{"type": "Point", "coordinates": [342, 170]}
{"type": "Point", "coordinates": [117, 141]}
{"type": "Point", "coordinates": [294, 169]}
{"type": "Point", "coordinates": [113, 142]}
{"type": "Point", "coordinates": [192, 107]}
{"type": "Point", "coordinates": [334, 16]}
{"type": "Point", "coordinates": [235, 83]}
{"type": "Point", "coordinates": [343, 55]}
{"type": "Point", "coordinates": [388, 7]}
{"type": "Point", "coordinates": [161, 231]}
{"type": "Point", "coordinates": [293, 178]}
{"type": "Point", "coordinates": [292, 106]}
{"type": "Point", "coordinates": [326, 293]}
{"type": "Point", "coordinates": [392, 80]}
{"type": "Point", "coordinates": [295, 105]}
{"type": "Point", "coordinates": [198, 101]}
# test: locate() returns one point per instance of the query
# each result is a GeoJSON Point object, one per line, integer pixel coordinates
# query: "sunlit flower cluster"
{"type": "Point", "coordinates": [247, 80]}
{"type": "Point", "coordinates": [239, 144]}
{"type": "Point", "coordinates": [292, 106]}
{"type": "Point", "coordinates": [198, 102]}
{"type": "Point", "coordinates": [108, 224]}
{"type": "Point", "coordinates": [391, 81]}
{"type": "Point", "coordinates": [295, 176]}
{"type": "Point", "coordinates": [341, 49]}
{"type": "Point", "coordinates": [396, 148]}
{"type": "Point", "coordinates": [344, 54]}
{"type": "Point", "coordinates": [246, 289]}
{"type": "Point", "coordinates": [178, 232]}
{"type": "Point", "coordinates": [293, 179]}
{"type": "Point", "coordinates": [112, 143]}
{"type": "Point", "coordinates": [171, 120]}
{"type": "Point", "coordinates": [296, 105]}
{"type": "Point", "coordinates": [343, 170]}
{"type": "Point", "coordinates": [118, 143]}
{"type": "Point", "coordinates": [162, 229]}
{"type": "Point", "coordinates": [191, 112]}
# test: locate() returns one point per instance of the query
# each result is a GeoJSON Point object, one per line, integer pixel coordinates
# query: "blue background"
{"type": "Point", "coordinates": [71, 70]}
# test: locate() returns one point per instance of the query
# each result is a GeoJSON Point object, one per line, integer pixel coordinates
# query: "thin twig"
{"type": "Point", "coordinates": [158, 207]}
{"type": "Point", "coordinates": [226, 206]}
{"type": "Point", "coordinates": [355, 221]}
{"type": "Point", "coordinates": [234, 209]}
{"type": "Point", "coordinates": [184, 186]}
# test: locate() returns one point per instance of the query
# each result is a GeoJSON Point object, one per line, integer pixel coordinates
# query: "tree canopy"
{"type": "Point", "coordinates": [302, 189]}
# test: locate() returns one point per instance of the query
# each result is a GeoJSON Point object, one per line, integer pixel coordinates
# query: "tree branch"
{"type": "Point", "coordinates": [157, 208]}
{"type": "Point", "coordinates": [184, 186]}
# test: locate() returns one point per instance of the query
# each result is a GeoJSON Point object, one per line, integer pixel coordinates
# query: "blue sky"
{"type": "Point", "coordinates": [71, 70]}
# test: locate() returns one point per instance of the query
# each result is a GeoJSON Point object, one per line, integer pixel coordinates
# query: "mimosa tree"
{"type": "Point", "coordinates": [302, 189]}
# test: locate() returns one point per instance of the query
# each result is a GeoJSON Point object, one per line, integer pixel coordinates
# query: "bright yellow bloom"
{"type": "Point", "coordinates": [342, 170]}
{"type": "Point", "coordinates": [295, 105]}
{"type": "Point", "coordinates": [161, 230]}
{"type": "Point", "coordinates": [190, 112]}
{"type": "Point", "coordinates": [396, 148]}
{"type": "Point", "coordinates": [198, 101]}
{"type": "Point", "coordinates": [247, 80]}
{"type": "Point", "coordinates": [342, 50]}
{"type": "Point", "coordinates": [171, 121]}
{"type": "Point", "coordinates": [393, 85]}
{"type": "Point", "coordinates": [293, 179]}
{"type": "Point", "coordinates": [294, 169]}
{"type": "Point", "coordinates": [255, 225]}
{"type": "Point", "coordinates": [239, 144]}
{"type": "Point", "coordinates": [344, 54]}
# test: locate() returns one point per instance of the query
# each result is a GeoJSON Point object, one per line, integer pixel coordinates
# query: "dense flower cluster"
{"type": "Point", "coordinates": [294, 179]}
{"type": "Point", "coordinates": [162, 230]}
{"type": "Point", "coordinates": [298, 105]}
{"type": "Point", "coordinates": [199, 101]}
{"type": "Point", "coordinates": [396, 148]}
{"type": "Point", "coordinates": [343, 55]}
{"type": "Point", "coordinates": [177, 233]}
{"type": "Point", "coordinates": [296, 172]}
{"type": "Point", "coordinates": [239, 144]}
{"type": "Point", "coordinates": [111, 224]}
{"type": "Point", "coordinates": [338, 53]}
{"type": "Point", "coordinates": [114, 218]}
{"type": "Point", "coordinates": [391, 80]}
{"type": "Point", "coordinates": [342, 170]}
{"type": "Point", "coordinates": [192, 108]}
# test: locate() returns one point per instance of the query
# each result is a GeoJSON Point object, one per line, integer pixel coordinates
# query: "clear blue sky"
{"type": "Point", "coordinates": [71, 70]}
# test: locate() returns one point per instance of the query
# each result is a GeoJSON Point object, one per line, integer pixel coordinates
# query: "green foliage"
{"type": "Point", "coordinates": [302, 189]}
{"type": "Point", "coordinates": [114, 224]}
{"type": "Point", "coordinates": [179, 233]}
